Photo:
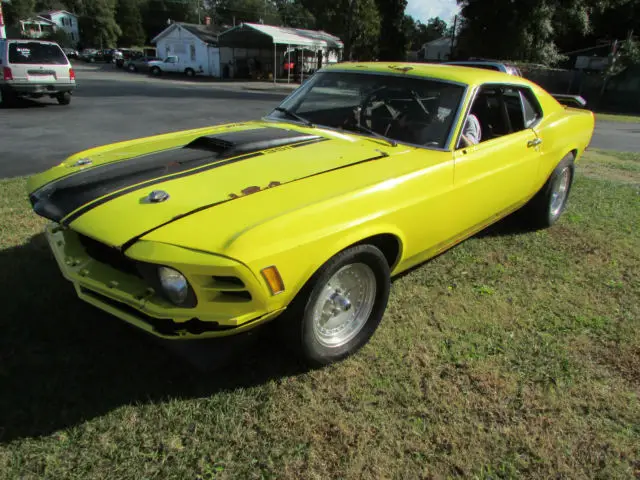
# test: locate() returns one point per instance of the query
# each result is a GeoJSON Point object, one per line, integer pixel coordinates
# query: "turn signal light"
{"type": "Point", "coordinates": [273, 279]}
{"type": "Point", "coordinates": [7, 74]}
{"type": "Point", "coordinates": [72, 74]}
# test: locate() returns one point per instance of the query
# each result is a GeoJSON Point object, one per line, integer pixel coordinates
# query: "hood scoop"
{"type": "Point", "coordinates": [246, 141]}
{"type": "Point", "coordinates": [60, 198]}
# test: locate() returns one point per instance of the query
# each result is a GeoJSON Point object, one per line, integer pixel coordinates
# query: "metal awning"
{"type": "Point", "coordinates": [252, 35]}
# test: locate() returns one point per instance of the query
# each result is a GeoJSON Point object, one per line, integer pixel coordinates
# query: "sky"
{"type": "Point", "coordinates": [424, 9]}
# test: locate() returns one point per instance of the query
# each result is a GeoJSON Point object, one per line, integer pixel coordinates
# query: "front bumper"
{"type": "Point", "coordinates": [128, 296]}
{"type": "Point", "coordinates": [40, 88]}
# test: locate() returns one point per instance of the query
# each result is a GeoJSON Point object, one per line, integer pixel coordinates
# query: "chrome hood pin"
{"type": "Point", "coordinates": [158, 196]}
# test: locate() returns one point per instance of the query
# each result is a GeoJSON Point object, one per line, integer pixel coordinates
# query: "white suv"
{"type": "Point", "coordinates": [35, 68]}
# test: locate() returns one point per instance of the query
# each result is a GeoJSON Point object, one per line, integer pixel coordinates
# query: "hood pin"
{"type": "Point", "coordinates": [158, 196]}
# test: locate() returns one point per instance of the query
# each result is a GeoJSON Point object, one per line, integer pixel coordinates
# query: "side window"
{"type": "Point", "coordinates": [499, 110]}
{"type": "Point", "coordinates": [532, 110]}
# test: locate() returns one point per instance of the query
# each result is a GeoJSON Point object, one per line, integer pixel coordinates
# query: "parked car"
{"type": "Point", "coordinates": [89, 55]}
{"type": "Point", "coordinates": [360, 174]}
{"type": "Point", "coordinates": [124, 55]}
{"type": "Point", "coordinates": [140, 64]}
{"type": "Point", "coordinates": [34, 69]}
{"type": "Point", "coordinates": [488, 65]}
{"type": "Point", "coordinates": [70, 52]}
{"type": "Point", "coordinates": [174, 64]}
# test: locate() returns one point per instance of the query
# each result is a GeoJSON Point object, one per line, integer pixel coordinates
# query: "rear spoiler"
{"type": "Point", "coordinates": [570, 100]}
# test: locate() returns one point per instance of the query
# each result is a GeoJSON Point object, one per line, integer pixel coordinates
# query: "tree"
{"type": "Point", "coordinates": [98, 27]}
{"type": "Point", "coordinates": [17, 10]}
{"type": "Point", "coordinates": [534, 28]}
{"type": "Point", "coordinates": [229, 12]}
{"type": "Point", "coordinates": [392, 43]}
{"type": "Point", "coordinates": [45, 5]}
{"type": "Point", "coordinates": [356, 22]}
{"type": "Point", "coordinates": [61, 37]}
{"type": "Point", "coordinates": [129, 19]}
{"type": "Point", "coordinates": [156, 14]}
{"type": "Point", "coordinates": [293, 14]}
{"type": "Point", "coordinates": [417, 33]}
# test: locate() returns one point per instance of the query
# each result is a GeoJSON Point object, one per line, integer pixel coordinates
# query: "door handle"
{"type": "Point", "coordinates": [534, 143]}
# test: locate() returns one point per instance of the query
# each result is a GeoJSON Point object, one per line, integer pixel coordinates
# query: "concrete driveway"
{"type": "Point", "coordinates": [112, 105]}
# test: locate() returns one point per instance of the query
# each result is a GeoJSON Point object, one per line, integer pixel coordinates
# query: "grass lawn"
{"type": "Point", "coordinates": [512, 355]}
{"type": "Point", "coordinates": [614, 117]}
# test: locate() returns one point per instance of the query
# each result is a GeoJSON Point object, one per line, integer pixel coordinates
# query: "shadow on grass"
{"type": "Point", "coordinates": [63, 362]}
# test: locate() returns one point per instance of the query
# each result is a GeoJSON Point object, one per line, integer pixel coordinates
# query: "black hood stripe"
{"type": "Point", "coordinates": [86, 208]}
{"type": "Point", "coordinates": [133, 240]}
{"type": "Point", "coordinates": [75, 194]}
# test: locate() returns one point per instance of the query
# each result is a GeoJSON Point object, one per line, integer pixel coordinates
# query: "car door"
{"type": "Point", "coordinates": [170, 64]}
{"type": "Point", "coordinates": [497, 174]}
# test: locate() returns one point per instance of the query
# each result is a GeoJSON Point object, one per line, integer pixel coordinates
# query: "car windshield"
{"type": "Point", "coordinates": [36, 53]}
{"type": "Point", "coordinates": [414, 110]}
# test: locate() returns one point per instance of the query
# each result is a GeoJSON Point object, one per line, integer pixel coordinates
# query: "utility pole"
{"type": "Point", "coordinates": [453, 37]}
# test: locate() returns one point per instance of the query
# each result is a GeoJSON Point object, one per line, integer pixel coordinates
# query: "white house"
{"type": "Point", "coordinates": [196, 47]}
{"type": "Point", "coordinates": [37, 27]}
{"type": "Point", "coordinates": [439, 49]}
{"type": "Point", "coordinates": [48, 22]}
{"type": "Point", "coordinates": [66, 21]}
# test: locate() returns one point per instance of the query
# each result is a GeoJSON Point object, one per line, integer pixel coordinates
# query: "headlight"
{"type": "Point", "coordinates": [174, 284]}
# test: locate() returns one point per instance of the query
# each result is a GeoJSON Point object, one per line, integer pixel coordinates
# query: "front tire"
{"type": "Point", "coordinates": [190, 72]}
{"type": "Point", "coordinates": [340, 308]}
{"type": "Point", "coordinates": [546, 207]}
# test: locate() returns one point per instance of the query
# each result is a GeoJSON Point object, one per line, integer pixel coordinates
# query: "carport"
{"type": "Point", "coordinates": [252, 41]}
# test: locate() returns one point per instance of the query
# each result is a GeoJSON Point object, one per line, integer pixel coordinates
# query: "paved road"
{"type": "Point", "coordinates": [37, 135]}
{"type": "Point", "coordinates": [114, 106]}
{"type": "Point", "coordinates": [624, 137]}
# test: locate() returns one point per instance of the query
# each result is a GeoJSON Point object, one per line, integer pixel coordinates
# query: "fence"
{"type": "Point", "coordinates": [621, 95]}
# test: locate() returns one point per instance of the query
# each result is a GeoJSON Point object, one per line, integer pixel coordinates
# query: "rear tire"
{"type": "Point", "coordinates": [340, 307]}
{"type": "Point", "coordinates": [155, 71]}
{"type": "Point", "coordinates": [546, 207]}
{"type": "Point", "coordinates": [190, 72]}
{"type": "Point", "coordinates": [64, 98]}
{"type": "Point", "coordinates": [7, 98]}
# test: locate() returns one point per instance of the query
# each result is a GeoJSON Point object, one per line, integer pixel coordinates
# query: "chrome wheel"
{"type": "Point", "coordinates": [344, 305]}
{"type": "Point", "coordinates": [559, 192]}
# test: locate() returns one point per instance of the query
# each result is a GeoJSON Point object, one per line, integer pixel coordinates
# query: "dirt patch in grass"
{"type": "Point", "coordinates": [620, 167]}
{"type": "Point", "coordinates": [515, 354]}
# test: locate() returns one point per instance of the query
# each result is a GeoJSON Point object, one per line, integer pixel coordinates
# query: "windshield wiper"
{"type": "Point", "coordinates": [362, 128]}
{"type": "Point", "coordinates": [294, 115]}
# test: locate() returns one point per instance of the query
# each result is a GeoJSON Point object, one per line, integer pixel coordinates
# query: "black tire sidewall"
{"type": "Point", "coordinates": [190, 72]}
{"type": "Point", "coordinates": [64, 98]}
{"type": "Point", "coordinates": [313, 351]}
{"type": "Point", "coordinates": [537, 212]}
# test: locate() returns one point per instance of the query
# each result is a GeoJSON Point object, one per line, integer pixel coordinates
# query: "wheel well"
{"type": "Point", "coordinates": [388, 244]}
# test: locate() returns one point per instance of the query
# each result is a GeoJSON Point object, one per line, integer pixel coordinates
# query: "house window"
{"type": "Point", "coordinates": [192, 49]}
{"type": "Point", "coordinates": [73, 37]}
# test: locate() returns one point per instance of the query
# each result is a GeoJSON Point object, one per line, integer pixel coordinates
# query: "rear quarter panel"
{"type": "Point", "coordinates": [563, 130]}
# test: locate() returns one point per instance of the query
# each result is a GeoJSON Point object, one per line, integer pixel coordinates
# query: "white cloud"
{"type": "Point", "coordinates": [423, 10]}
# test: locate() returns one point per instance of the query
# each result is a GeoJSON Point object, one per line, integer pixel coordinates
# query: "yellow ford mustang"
{"type": "Point", "coordinates": [364, 171]}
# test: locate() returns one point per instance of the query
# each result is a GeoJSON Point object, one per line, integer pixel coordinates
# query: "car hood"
{"type": "Point", "coordinates": [116, 194]}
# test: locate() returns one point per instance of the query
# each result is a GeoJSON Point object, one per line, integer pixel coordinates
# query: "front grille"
{"type": "Point", "coordinates": [108, 255]}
